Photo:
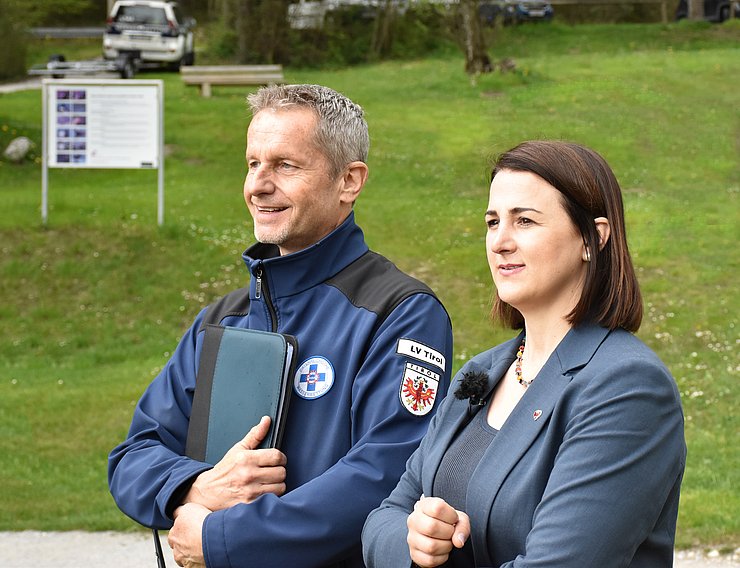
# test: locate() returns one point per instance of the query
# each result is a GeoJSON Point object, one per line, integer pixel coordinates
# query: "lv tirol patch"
{"type": "Point", "coordinates": [419, 388]}
{"type": "Point", "coordinates": [421, 352]}
{"type": "Point", "coordinates": [314, 378]}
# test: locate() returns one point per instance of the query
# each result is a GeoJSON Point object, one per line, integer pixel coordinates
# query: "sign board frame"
{"type": "Point", "coordinates": [103, 123]}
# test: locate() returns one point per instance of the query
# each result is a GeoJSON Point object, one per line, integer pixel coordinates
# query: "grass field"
{"type": "Point", "coordinates": [94, 303]}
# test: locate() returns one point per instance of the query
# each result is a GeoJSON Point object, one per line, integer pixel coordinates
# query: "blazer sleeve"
{"type": "Point", "coordinates": [384, 534]}
{"type": "Point", "coordinates": [615, 478]}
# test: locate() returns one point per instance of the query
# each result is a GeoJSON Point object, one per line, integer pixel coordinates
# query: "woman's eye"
{"type": "Point", "coordinates": [525, 221]}
{"type": "Point", "coordinates": [491, 223]}
{"type": "Point", "coordinates": [286, 166]}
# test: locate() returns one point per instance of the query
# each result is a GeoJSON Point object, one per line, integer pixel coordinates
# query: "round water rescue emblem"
{"type": "Point", "coordinates": [314, 378]}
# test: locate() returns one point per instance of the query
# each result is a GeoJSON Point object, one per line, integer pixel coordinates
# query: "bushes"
{"type": "Point", "coordinates": [621, 13]}
{"type": "Point", "coordinates": [356, 34]}
{"type": "Point", "coordinates": [12, 30]}
{"type": "Point", "coordinates": [351, 35]}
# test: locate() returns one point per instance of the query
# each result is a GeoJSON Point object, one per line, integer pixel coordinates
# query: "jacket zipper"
{"type": "Point", "coordinates": [262, 290]}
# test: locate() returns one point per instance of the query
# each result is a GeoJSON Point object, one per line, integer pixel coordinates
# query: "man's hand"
{"type": "Point", "coordinates": [185, 535]}
{"type": "Point", "coordinates": [242, 475]}
{"type": "Point", "coordinates": [434, 529]}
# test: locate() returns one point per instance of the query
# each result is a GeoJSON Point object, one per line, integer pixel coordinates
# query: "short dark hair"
{"type": "Point", "coordinates": [589, 189]}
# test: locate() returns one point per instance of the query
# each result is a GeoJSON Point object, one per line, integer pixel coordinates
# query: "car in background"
{"type": "Point", "coordinates": [156, 31]}
{"type": "Point", "coordinates": [714, 10]}
{"type": "Point", "coordinates": [515, 11]}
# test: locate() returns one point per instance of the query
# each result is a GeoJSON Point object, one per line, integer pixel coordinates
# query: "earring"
{"type": "Point", "coordinates": [587, 255]}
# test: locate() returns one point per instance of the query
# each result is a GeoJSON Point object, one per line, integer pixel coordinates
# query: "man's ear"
{"type": "Point", "coordinates": [353, 180]}
{"type": "Point", "coordinates": [604, 230]}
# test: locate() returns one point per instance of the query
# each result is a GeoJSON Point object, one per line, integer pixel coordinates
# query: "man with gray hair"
{"type": "Point", "coordinates": [374, 359]}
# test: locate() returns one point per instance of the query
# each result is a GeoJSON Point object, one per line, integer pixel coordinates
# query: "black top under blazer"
{"type": "Point", "coordinates": [585, 472]}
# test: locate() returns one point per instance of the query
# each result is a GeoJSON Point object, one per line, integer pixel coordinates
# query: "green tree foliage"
{"type": "Point", "coordinates": [62, 12]}
{"type": "Point", "coordinates": [251, 31]}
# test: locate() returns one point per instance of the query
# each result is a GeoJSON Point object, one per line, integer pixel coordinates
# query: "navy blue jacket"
{"type": "Point", "coordinates": [373, 336]}
{"type": "Point", "coordinates": [585, 471]}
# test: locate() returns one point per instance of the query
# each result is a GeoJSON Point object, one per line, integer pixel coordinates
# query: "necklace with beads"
{"type": "Point", "coordinates": [518, 366]}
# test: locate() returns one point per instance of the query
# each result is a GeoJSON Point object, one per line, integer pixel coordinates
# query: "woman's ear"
{"type": "Point", "coordinates": [604, 230]}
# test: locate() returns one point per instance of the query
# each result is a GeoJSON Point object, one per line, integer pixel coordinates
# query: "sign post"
{"type": "Point", "coordinates": [103, 123]}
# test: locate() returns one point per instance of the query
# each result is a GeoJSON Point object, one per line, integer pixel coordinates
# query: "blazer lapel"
{"type": "Point", "coordinates": [524, 424]}
{"type": "Point", "coordinates": [458, 413]}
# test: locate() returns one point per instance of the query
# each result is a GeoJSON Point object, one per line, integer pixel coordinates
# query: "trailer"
{"type": "Point", "coordinates": [125, 66]}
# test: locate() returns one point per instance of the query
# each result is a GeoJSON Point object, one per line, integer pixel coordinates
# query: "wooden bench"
{"type": "Point", "coordinates": [207, 75]}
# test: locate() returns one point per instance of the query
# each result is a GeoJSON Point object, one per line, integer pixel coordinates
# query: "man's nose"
{"type": "Point", "coordinates": [259, 180]}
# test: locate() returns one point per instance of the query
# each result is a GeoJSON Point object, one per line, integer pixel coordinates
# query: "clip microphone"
{"type": "Point", "coordinates": [473, 386]}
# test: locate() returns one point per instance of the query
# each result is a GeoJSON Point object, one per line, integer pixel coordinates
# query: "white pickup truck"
{"type": "Point", "coordinates": [156, 30]}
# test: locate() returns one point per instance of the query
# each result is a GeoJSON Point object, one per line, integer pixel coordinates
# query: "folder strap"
{"type": "Point", "coordinates": [199, 416]}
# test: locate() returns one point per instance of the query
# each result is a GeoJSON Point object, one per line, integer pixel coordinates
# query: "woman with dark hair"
{"type": "Point", "coordinates": [564, 446]}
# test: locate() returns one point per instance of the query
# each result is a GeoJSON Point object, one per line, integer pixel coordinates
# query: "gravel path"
{"type": "Point", "coordinates": [24, 85]}
{"type": "Point", "coordinates": [77, 549]}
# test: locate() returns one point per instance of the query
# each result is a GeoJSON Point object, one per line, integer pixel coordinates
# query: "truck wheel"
{"type": "Point", "coordinates": [127, 71]}
{"type": "Point", "coordinates": [126, 65]}
{"type": "Point", "coordinates": [57, 58]}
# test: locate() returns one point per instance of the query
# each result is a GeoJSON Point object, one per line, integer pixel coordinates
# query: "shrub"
{"type": "Point", "coordinates": [611, 13]}
{"type": "Point", "coordinates": [12, 30]}
{"type": "Point", "coordinates": [356, 34]}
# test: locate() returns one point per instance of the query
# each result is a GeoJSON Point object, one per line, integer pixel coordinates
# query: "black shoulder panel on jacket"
{"type": "Point", "coordinates": [235, 303]}
{"type": "Point", "coordinates": [373, 282]}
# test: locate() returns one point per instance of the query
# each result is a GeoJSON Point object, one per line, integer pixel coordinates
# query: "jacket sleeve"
{"type": "Point", "coordinates": [615, 479]}
{"type": "Point", "coordinates": [384, 534]}
{"type": "Point", "coordinates": [149, 466]}
{"type": "Point", "coordinates": [320, 522]}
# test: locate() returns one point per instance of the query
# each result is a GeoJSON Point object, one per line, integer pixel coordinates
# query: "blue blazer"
{"type": "Point", "coordinates": [585, 471]}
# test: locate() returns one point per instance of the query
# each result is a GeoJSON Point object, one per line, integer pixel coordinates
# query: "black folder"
{"type": "Point", "coordinates": [244, 374]}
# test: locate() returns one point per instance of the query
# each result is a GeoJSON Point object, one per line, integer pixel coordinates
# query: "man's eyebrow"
{"type": "Point", "coordinates": [272, 159]}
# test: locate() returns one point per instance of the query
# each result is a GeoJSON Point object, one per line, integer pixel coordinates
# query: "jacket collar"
{"type": "Point", "coordinates": [299, 271]}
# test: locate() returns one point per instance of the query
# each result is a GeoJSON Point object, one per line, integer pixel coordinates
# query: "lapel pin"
{"type": "Point", "coordinates": [537, 414]}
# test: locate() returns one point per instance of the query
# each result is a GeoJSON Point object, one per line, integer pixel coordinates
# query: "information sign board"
{"type": "Point", "coordinates": [103, 123]}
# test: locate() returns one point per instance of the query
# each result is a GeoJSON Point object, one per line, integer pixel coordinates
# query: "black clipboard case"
{"type": "Point", "coordinates": [244, 374]}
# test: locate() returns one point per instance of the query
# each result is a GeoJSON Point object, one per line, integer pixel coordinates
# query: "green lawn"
{"type": "Point", "coordinates": [94, 303]}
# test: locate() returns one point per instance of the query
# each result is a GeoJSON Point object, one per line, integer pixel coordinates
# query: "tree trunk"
{"type": "Point", "coordinates": [241, 24]}
{"type": "Point", "coordinates": [696, 9]}
{"type": "Point", "coordinates": [262, 29]}
{"type": "Point", "coordinates": [382, 37]}
{"type": "Point", "coordinates": [476, 58]}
